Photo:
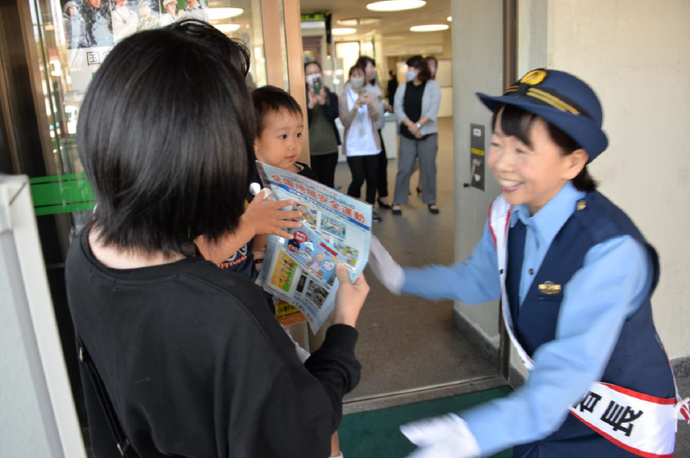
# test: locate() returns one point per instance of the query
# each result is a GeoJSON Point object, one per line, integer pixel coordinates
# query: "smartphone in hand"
{"type": "Point", "coordinates": [317, 85]}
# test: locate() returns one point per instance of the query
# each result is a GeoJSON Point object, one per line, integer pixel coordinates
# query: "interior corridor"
{"type": "Point", "coordinates": [407, 342]}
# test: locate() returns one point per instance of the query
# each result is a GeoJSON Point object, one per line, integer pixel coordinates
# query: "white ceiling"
{"type": "Point", "coordinates": [434, 12]}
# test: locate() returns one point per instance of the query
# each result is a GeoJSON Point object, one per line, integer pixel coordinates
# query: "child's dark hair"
{"type": "Point", "coordinates": [516, 122]}
{"type": "Point", "coordinates": [166, 137]}
{"type": "Point", "coordinates": [422, 65]}
{"type": "Point", "coordinates": [269, 99]}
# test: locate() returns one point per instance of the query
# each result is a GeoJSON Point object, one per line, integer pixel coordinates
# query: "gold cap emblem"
{"type": "Point", "coordinates": [549, 288]}
{"type": "Point", "coordinates": [534, 77]}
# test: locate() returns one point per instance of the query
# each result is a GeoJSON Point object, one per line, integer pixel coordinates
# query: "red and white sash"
{"type": "Point", "coordinates": [641, 424]}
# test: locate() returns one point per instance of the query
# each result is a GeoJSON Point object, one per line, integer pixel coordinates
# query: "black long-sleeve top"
{"type": "Point", "coordinates": [196, 365]}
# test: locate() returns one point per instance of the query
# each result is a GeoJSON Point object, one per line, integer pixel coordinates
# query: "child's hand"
{"type": "Point", "coordinates": [265, 217]}
{"type": "Point", "coordinates": [350, 297]}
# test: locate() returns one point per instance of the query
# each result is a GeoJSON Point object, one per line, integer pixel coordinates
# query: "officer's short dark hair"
{"type": "Point", "coordinates": [166, 135]}
{"type": "Point", "coordinates": [270, 99]}
{"type": "Point", "coordinates": [516, 122]}
{"type": "Point", "coordinates": [235, 50]}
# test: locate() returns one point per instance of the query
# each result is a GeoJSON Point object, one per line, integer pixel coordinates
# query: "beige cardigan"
{"type": "Point", "coordinates": [347, 116]}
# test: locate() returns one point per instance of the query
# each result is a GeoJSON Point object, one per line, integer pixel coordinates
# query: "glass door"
{"type": "Point", "coordinates": [49, 52]}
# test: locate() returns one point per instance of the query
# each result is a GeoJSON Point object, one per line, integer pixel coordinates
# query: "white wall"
{"type": "Point", "coordinates": [635, 54]}
{"type": "Point", "coordinates": [477, 34]}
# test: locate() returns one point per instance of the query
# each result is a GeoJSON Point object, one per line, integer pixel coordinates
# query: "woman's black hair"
{"type": "Point", "coordinates": [428, 58]}
{"type": "Point", "coordinates": [356, 67]}
{"type": "Point", "coordinates": [420, 64]}
{"type": "Point", "coordinates": [166, 135]}
{"type": "Point", "coordinates": [235, 50]}
{"type": "Point", "coordinates": [516, 122]}
{"type": "Point", "coordinates": [269, 99]}
{"type": "Point", "coordinates": [362, 62]}
{"type": "Point", "coordinates": [306, 64]}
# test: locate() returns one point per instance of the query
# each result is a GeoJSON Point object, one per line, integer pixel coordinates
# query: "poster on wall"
{"type": "Point", "coordinates": [477, 156]}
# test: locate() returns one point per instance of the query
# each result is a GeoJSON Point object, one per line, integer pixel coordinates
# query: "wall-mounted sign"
{"type": "Point", "coordinates": [314, 17]}
{"type": "Point", "coordinates": [477, 156]}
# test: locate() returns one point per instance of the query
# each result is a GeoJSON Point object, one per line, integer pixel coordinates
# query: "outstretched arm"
{"type": "Point", "coordinates": [474, 281]}
{"type": "Point", "coordinates": [610, 287]}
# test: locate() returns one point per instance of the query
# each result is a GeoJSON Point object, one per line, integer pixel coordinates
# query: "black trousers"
{"type": "Point", "coordinates": [364, 168]}
{"type": "Point", "coordinates": [323, 166]}
{"type": "Point", "coordinates": [383, 172]}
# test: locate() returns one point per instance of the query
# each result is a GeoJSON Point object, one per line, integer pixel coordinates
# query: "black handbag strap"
{"type": "Point", "coordinates": [123, 444]}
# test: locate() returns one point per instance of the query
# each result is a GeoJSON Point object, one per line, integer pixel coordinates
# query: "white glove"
{"type": "Point", "coordinates": [389, 273]}
{"type": "Point", "coordinates": [442, 437]}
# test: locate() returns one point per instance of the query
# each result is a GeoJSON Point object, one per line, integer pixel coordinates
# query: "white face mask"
{"type": "Point", "coordinates": [311, 78]}
{"type": "Point", "coordinates": [410, 74]}
{"type": "Point", "coordinates": [357, 83]}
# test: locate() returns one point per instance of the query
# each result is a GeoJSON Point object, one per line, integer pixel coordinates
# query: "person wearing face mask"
{"type": "Point", "coordinates": [433, 65]}
{"type": "Point", "coordinates": [322, 110]}
{"type": "Point", "coordinates": [359, 111]}
{"type": "Point", "coordinates": [374, 90]}
{"type": "Point", "coordinates": [416, 108]}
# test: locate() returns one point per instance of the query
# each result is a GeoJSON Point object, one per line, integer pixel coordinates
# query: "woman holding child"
{"type": "Point", "coordinates": [190, 357]}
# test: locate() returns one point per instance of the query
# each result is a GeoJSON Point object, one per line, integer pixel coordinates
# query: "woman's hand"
{"type": "Point", "coordinates": [350, 297]}
{"type": "Point", "coordinates": [321, 96]}
{"type": "Point", "coordinates": [266, 217]}
{"type": "Point", "coordinates": [412, 127]}
{"type": "Point", "coordinates": [313, 99]}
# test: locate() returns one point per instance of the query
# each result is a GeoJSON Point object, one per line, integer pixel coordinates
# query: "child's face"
{"type": "Point", "coordinates": [280, 142]}
{"type": "Point", "coordinates": [531, 176]}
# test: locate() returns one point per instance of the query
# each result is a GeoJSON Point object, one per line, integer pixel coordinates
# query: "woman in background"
{"type": "Point", "coordinates": [416, 107]}
{"type": "Point", "coordinates": [433, 65]}
{"type": "Point", "coordinates": [359, 111]}
{"type": "Point", "coordinates": [322, 110]}
{"type": "Point", "coordinates": [374, 89]}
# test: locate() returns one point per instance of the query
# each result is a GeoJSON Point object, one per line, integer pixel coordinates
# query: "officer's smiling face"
{"type": "Point", "coordinates": [280, 141]}
{"type": "Point", "coordinates": [530, 174]}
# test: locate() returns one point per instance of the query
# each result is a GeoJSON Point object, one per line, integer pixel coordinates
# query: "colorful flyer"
{"type": "Point", "coordinates": [335, 229]}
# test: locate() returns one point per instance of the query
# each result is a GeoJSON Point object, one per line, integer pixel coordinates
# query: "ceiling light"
{"type": "Point", "coordinates": [344, 31]}
{"type": "Point", "coordinates": [347, 21]}
{"type": "Point", "coordinates": [429, 28]}
{"type": "Point", "coordinates": [369, 20]}
{"type": "Point", "coordinates": [227, 28]}
{"type": "Point", "coordinates": [396, 5]}
{"type": "Point", "coordinates": [216, 14]}
{"type": "Point", "coordinates": [449, 19]}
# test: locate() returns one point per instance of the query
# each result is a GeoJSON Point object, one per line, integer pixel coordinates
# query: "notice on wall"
{"type": "Point", "coordinates": [477, 156]}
